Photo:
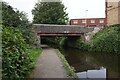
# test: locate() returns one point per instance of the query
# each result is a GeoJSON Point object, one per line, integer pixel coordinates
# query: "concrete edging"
{"type": "Point", "coordinates": [70, 70]}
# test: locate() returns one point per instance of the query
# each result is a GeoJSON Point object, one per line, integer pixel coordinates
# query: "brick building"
{"type": "Point", "coordinates": [91, 22]}
{"type": "Point", "coordinates": [112, 16]}
{"type": "Point", "coordinates": [113, 12]}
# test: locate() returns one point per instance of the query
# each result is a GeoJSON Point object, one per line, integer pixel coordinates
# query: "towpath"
{"type": "Point", "coordinates": [49, 65]}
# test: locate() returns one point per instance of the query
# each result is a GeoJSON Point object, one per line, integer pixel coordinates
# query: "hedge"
{"type": "Point", "coordinates": [16, 63]}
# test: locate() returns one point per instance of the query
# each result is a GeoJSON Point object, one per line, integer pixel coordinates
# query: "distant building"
{"type": "Point", "coordinates": [89, 22]}
{"type": "Point", "coordinates": [113, 12]}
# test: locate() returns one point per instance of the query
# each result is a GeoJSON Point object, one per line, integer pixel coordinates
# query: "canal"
{"type": "Point", "coordinates": [92, 65]}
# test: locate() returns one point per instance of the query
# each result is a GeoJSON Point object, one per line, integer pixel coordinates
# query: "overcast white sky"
{"type": "Point", "coordinates": [75, 8]}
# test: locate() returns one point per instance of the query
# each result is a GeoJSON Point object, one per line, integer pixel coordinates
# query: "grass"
{"type": "Point", "coordinates": [70, 70]}
{"type": "Point", "coordinates": [34, 54]}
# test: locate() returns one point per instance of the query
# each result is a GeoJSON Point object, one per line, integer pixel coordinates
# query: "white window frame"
{"type": "Point", "coordinates": [84, 21]}
{"type": "Point", "coordinates": [101, 21]}
{"type": "Point", "coordinates": [75, 22]}
{"type": "Point", "coordinates": [92, 21]}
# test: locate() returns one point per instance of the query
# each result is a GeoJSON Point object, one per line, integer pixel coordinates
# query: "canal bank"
{"type": "Point", "coordinates": [51, 65]}
{"type": "Point", "coordinates": [88, 64]}
{"type": "Point", "coordinates": [92, 65]}
{"type": "Point", "coordinates": [69, 69]}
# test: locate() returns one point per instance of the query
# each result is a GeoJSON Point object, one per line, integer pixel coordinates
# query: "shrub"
{"type": "Point", "coordinates": [59, 41]}
{"type": "Point", "coordinates": [107, 40]}
{"type": "Point", "coordinates": [15, 60]}
{"type": "Point", "coordinates": [82, 45]}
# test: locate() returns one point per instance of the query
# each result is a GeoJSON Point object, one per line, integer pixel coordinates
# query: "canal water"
{"type": "Point", "coordinates": [92, 65]}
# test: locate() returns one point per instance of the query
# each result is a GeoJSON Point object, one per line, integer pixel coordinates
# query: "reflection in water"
{"type": "Point", "coordinates": [92, 62]}
{"type": "Point", "coordinates": [101, 73]}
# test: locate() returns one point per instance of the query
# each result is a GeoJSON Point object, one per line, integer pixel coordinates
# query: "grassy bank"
{"type": "Point", "coordinates": [34, 54]}
{"type": "Point", "coordinates": [69, 69]}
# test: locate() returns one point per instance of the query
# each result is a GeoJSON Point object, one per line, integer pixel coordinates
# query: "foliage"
{"type": "Point", "coordinates": [16, 37]}
{"type": "Point", "coordinates": [9, 16]}
{"type": "Point", "coordinates": [59, 41]}
{"type": "Point", "coordinates": [49, 13]}
{"type": "Point", "coordinates": [82, 45]}
{"type": "Point", "coordinates": [107, 40]}
{"type": "Point", "coordinates": [15, 62]}
{"type": "Point", "coordinates": [13, 17]}
{"type": "Point", "coordinates": [34, 54]}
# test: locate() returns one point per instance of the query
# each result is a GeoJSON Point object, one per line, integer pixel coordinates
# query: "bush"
{"type": "Point", "coordinates": [14, 18]}
{"type": "Point", "coordinates": [59, 41]}
{"type": "Point", "coordinates": [107, 40]}
{"type": "Point", "coordinates": [15, 62]}
{"type": "Point", "coordinates": [82, 45]}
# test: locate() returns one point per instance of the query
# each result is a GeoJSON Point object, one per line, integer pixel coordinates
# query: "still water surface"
{"type": "Point", "coordinates": [92, 65]}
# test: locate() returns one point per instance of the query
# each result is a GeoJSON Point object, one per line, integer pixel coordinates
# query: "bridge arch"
{"type": "Point", "coordinates": [60, 30]}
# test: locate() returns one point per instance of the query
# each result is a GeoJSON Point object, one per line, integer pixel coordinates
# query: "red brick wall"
{"type": "Point", "coordinates": [88, 20]}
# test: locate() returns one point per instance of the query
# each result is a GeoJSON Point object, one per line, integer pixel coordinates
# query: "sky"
{"type": "Point", "coordinates": [75, 8]}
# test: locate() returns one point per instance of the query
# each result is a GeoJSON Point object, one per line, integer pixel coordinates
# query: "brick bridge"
{"type": "Point", "coordinates": [60, 30]}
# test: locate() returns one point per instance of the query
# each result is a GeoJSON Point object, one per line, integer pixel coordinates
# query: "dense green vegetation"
{"type": "Point", "coordinates": [82, 45]}
{"type": "Point", "coordinates": [58, 41]}
{"type": "Point", "coordinates": [34, 54]}
{"type": "Point", "coordinates": [13, 18]}
{"type": "Point", "coordinates": [18, 60]}
{"type": "Point", "coordinates": [49, 13]}
{"type": "Point", "coordinates": [17, 37]}
{"type": "Point", "coordinates": [15, 60]}
{"type": "Point", "coordinates": [106, 40]}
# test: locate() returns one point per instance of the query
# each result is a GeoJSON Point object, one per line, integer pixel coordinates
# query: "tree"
{"type": "Point", "coordinates": [16, 62]}
{"type": "Point", "coordinates": [49, 13]}
{"type": "Point", "coordinates": [16, 31]}
{"type": "Point", "coordinates": [9, 16]}
{"type": "Point", "coordinates": [14, 18]}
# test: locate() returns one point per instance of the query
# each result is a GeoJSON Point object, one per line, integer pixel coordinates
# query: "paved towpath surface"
{"type": "Point", "coordinates": [49, 65]}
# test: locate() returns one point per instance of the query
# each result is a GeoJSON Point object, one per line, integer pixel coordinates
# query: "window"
{"type": "Point", "coordinates": [101, 21]}
{"type": "Point", "coordinates": [75, 22]}
{"type": "Point", "coordinates": [84, 21]}
{"type": "Point", "coordinates": [92, 21]}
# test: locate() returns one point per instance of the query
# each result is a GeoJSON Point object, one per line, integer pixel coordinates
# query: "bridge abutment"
{"type": "Point", "coordinates": [38, 41]}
